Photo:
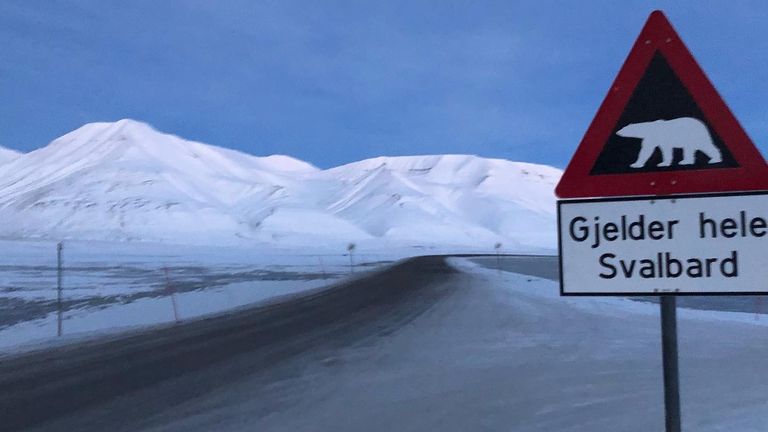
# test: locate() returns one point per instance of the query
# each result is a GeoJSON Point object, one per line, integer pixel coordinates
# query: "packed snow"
{"type": "Point", "coordinates": [126, 181]}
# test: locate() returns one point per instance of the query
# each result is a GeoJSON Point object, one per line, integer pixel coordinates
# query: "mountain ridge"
{"type": "Point", "coordinates": [126, 181]}
{"type": "Point", "coordinates": [7, 155]}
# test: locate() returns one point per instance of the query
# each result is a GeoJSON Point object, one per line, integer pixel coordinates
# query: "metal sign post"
{"type": "Point", "coordinates": [59, 306]}
{"type": "Point", "coordinates": [669, 354]}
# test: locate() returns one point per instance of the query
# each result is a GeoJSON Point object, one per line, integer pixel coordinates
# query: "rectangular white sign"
{"type": "Point", "coordinates": [695, 244]}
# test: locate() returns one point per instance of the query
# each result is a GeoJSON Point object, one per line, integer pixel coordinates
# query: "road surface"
{"type": "Point", "coordinates": [421, 346]}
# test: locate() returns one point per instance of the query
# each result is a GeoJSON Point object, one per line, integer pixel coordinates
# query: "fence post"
{"type": "Point", "coordinates": [497, 246]}
{"type": "Point", "coordinates": [322, 267]}
{"type": "Point", "coordinates": [59, 306]}
{"type": "Point", "coordinates": [170, 290]}
{"type": "Point", "coordinates": [350, 249]}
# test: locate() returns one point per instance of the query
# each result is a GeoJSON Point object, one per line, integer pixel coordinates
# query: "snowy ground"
{"type": "Point", "coordinates": [114, 286]}
{"type": "Point", "coordinates": [497, 351]}
{"type": "Point", "coordinates": [109, 287]}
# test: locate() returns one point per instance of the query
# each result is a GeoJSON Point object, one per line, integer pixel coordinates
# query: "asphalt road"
{"type": "Point", "coordinates": [418, 346]}
{"type": "Point", "coordinates": [43, 386]}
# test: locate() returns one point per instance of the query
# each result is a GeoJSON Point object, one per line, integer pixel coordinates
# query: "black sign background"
{"type": "Point", "coordinates": [658, 95]}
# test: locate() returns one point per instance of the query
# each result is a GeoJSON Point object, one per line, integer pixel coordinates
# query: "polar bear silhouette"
{"type": "Point", "coordinates": [686, 133]}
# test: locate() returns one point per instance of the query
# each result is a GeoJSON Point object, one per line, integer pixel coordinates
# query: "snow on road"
{"type": "Point", "coordinates": [498, 351]}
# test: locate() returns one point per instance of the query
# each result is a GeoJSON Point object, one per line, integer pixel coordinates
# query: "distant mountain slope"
{"type": "Point", "coordinates": [453, 197]}
{"type": "Point", "coordinates": [127, 181]}
{"type": "Point", "coordinates": [7, 155]}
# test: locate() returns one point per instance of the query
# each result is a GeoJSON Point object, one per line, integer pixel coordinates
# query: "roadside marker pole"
{"type": "Point", "coordinates": [351, 249]}
{"type": "Point", "coordinates": [669, 354]}
{"type": "Point", "coordinates": [170, 290]}
{"type": "Point", "coordinates": [322, 268]}
{"type": "Point", "coordinates": [59, 292]}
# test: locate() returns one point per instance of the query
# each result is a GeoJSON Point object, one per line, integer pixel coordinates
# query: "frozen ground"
{"type": "Point", "coordinates": [491, 350]}
{"type": "Point", "coordinates": [114, 286]}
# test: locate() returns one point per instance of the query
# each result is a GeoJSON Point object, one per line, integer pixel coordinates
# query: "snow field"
{"type": "Point", "coordinates": [110, 287]}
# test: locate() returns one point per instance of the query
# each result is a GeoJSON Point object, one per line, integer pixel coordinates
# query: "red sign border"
{"type": "Point", "coordinates": [659, 35]}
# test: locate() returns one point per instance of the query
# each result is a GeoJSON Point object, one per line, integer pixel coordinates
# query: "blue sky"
{"type": "Point", "coordinates": [335, 81]}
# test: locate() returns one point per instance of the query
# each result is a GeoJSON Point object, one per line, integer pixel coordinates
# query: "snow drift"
{"type": "Point", "coordinates": [127, 181]}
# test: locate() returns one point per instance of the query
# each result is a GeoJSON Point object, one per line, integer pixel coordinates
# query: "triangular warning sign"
{"type": "Point", "coordinates": [662, 129]}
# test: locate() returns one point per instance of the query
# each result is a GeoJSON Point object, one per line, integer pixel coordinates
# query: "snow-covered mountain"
{"type": "Point", "coordinates": [465, 199]}
{"type": "Point", "coordinates": [127, 181]}
{"type": "Point", "coordinates": [7, 155]}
